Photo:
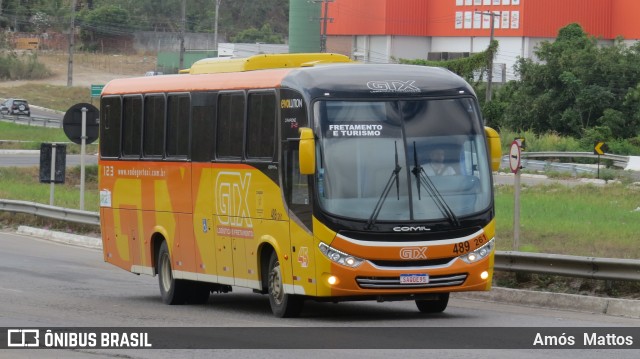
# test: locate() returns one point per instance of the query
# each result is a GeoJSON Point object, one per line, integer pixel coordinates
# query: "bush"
{"type": "Point", "coordinates": [22, 67]}
{"type": "Point", "coordinates": [541, 143]}
{"type": "Point", "coordinates": [554, 142]}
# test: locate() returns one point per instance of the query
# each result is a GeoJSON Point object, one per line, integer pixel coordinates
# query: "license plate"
{"type": "Point", "coordinates": [414, 278]}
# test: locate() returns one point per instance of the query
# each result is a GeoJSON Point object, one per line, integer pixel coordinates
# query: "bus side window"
{"type": "Point", "coordinates": [153, 130]}
{"type": "Point", "coordinates": [203, 112]}
{"type": "Point", "coordinates": [261, 125]}
{"type": "Point", "coordinates": [297, 191]}
{"type": "Point", "coordinates": [178, 125]}
{"type": "Point", "coordinates": [110, 126]}
{"type": "Point", "coordinates": [132, 126]}
{"type": "Point", "coordinates": [229, 131]}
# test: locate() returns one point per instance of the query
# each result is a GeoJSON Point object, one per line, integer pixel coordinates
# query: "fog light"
{"type": "Point", "coordinates": [484, 275]}
{"type": "Point", "coordinates": [332, 280]}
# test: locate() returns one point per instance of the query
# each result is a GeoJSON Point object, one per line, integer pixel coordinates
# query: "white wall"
{"type": "Point", "coordinates": [381, 49]}
{"type": "Point", "coordinates": [372, 49]}
{"type": "Point", "coordinates": [510, 48]}
{"type": "Point", "coordinates": [409, 47]}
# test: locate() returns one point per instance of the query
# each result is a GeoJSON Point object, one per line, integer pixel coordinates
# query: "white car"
{"type": "Point", "coordinates": [153, 73]}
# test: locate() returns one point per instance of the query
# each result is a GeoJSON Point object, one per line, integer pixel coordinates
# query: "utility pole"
{"type": "Point", "coordinates": [490, 67]}
{"type": "Point", "coordinates": [183, 23]}
{"type": "Point", "coordinates": [325, 19]}
{"type": "Point", "coordinates": [72, 36]}
{"type": "Point", "coordinates": [215, 33]}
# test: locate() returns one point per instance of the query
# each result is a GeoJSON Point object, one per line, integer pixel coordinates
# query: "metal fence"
{"type": "Point", "coordinates": [554, 264]}
{"type": "Point", "coordinates": [618, 160]}
{"type": "Point", "coordinates": [33, 120]}
{"type": "Point", "coordinates": [53, 212]}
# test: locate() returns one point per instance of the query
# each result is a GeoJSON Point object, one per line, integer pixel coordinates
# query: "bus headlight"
{"type": "Point", "coordinates": [340, 257]}
{"type": "Point", "coordinates": [479, 253]}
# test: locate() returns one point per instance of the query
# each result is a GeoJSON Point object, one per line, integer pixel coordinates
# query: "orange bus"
{"type": "Point", "coordinates": [301, 176]}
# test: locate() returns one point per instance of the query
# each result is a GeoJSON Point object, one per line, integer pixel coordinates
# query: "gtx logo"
{"type": "Point", "coordinates": [392, 86]}
{"type": "Point", "coordinates": [232, 199]}
{"type": "Point", "coordinates": [413, 253]}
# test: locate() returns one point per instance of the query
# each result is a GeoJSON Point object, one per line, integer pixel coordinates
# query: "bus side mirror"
{"type": "Point", "coordinates": [493, 140]}
{"type": "Point", "coordinates": [307, 150]}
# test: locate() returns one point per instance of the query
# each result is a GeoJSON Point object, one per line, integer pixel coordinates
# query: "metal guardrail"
{"type": "Point", "coordinates": [537, 165]}
{"type": "Point", "coordinates": [620, 161]}
{"type": "Point", "coordinates": [43, 210]}
{"type": "Point", "coordinates": [569, 266]}
{"type": "Point", "coordinates": [32, 120]}
{"type": "Point", "coordinates": [554, 264]}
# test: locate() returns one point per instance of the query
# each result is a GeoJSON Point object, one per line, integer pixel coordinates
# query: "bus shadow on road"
{"type": "Point", "coordinates": [250, 304]}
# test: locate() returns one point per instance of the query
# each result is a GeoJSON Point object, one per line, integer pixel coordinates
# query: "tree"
{"type": "Point", "coordinates": [253, 35]}
{"type": "Point", "coordinates": [577, 85]}
{"type": "Point", "coordinates": [150, 15]}
{"type": "Point", "coordinates": [103, 21]}
{"type": "Point", "coordinates": [467, 67]}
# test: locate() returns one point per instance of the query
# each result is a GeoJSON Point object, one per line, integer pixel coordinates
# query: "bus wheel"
{"type": "Point", "coordinates": [282, 305]}
{"type": "Point", "coordinates": [173, 291]}
{"type": "Point", "coordinates": [437, 305]}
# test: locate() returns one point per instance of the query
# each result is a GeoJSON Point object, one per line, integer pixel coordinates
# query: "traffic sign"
{"type": "Point", "coordinates": [514, 156]}
{"type": "Point", "coordinates": [600, 148]}
{"type": "Point", "coordinates": [96, 90]}
{"type": "Point", "coordinates": [72, 123]}
{"type": "Point", "coordinates": [57, 161]}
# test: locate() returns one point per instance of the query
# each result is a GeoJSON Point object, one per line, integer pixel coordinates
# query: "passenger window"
{"type": "Point", "coordinates": [203, 112]}
{"type": "Point", "coordinates": [132, 126]}
{"type": "Point", "coordinates": [154, 112]}
{"type": "Point", "coordinates": [229, 141]}
{"type": "Point", "coordinates": [261, 122]}
{"type": "Point", "coordinates": [178, 126]}
{"type": "Point", "coordinates": [110, 126]}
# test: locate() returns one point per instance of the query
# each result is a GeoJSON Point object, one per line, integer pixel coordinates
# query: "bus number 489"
{"type": "Point", "coordinates": [461, 248]}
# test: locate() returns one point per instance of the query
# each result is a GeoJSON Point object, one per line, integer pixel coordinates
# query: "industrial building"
{"type": "Point", "coordinates": [380, 31]}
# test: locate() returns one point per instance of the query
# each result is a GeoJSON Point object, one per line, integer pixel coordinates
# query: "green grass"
{"type": "Point", "coordinates": [49, 96]}
{"type": "Point", "coordinates": [25, 137]}
{"type": "Point", "coordinates": [33, 135]}
{"type": "Point", "coordinates": [583, 220]}
{"type": "Point", "coordinates": [24, 184]}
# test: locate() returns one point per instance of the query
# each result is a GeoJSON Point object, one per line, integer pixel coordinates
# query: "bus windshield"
{"type": "Point", "coordinates": [401, 160]}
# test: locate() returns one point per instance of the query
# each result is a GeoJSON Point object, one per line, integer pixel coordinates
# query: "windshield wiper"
{"type": "Point", "coordinates": [385, 192]}
{"type": "Point", "coordinates": [423, 180]}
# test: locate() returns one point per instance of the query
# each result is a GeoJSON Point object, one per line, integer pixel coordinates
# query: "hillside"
{"type": "Point", "coordinates": [89, 68]}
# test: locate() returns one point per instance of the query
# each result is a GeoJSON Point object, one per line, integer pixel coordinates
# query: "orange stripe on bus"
{"type": "Point", "coordinates": [204, 82]}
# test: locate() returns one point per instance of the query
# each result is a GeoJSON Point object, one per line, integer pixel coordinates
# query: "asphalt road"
{"type": "Point", "coordinates": [44, 284]}
{"type": "Point", "coordinates": [9, 158]}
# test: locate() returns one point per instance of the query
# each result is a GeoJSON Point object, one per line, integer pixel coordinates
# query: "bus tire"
{"type": "Point", "coordinates": [283, 305]}
{"type": "Point", "coordinates": [437, 305]}
{"type": "Point", "coordinates": [173, 291]}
